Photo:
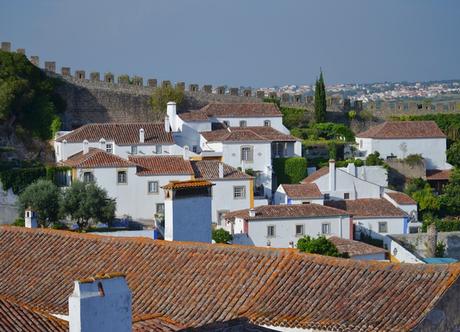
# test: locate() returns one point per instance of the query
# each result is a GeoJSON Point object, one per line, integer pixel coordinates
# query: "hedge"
{"type": "Point", "coordinates": [443, 225]}
{"type": "Point", "coordinates": [290, 170]}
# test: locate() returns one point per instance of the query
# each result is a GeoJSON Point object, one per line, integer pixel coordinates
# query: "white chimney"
{"type": "Point", "coordinates": [85, 146]}
{"type": "Point", "coordinates": [102, 304]}
{"type": "Point", "coordinates": [63, 150]}
{"type": "Point", "coordinates": [252, 213]}
{"type": "Point", "coordinates": [172, 114]}
{"type": "Point", "coordinates": [30, 218]}
{"type": "Point", "coordinates": [332, 175]}
{"type": "Point", "coordinates": [351, 169]}
{"type": "Point", "coordinates": [186, 152]}
{"type": "Point", "coordinates": [141, 135]}
{"type": "Point", "coordinates": [167, 128]}
{"type": "Point", "coordinates": [102, 144]}
{"type": "Point", "coordinates": [221, 170]}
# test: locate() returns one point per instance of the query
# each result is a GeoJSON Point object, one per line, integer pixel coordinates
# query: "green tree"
{"type": "Point", "coordinates": [427, 201]}
{"type": "Point", "coordinates": [450, 200]}
{"type": "Point", "coordinates": [374, 159]}
{"type": "Point", "coordinates": [221, 236]}
{"type": "Point", "coordinates": [86, 202]}
{"type": "Point", "coordinates": [164, 94]}
{"type": "Point", "coordinates": [43, 197]}
{"type": "Point", "coordinates": [453, 154]}
{"type": "Point", "coordinates": [320, 245]}
{"type": "Point", "coordinates": [320, 99]}
{"type": "Point", "coordinates": [414, 185]}
{"type": "Point", "coordinates": [290, 170]}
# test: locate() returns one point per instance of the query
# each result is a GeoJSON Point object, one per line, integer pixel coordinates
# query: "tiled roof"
{"type": "Point", "coordinates": [197, 284]}
{"type": "Point", "coordinates": [401, 198]}
{"type": "Point", "coordinates": [187, 184]}
{"type": "Point", "coordinates": [18, 317]}
{"type": "Point", "coordinates": [355, 248]}
{"type": "Point", "coordinates": [367, 207]}
{"type": "Point", "coordinates": [120, 133]}
{"type": "Point", "coordinates": [156, 323]}
{"type": "Point", "coordinates": [304, 190]}
{"type": "Point", "coordinates": [237, 134]}
{"type": "Point", "coordinates": [316, 175]}
{"type": "Point", "coordinates": [232, 110]}
{"type": "Point", "coordinates": [162, 165]}
{"type": "Point", "coordinates": [287, 211]}
{"type": "Point", "coordinates": [438, 174]}
{"type": "Point", "coordinates": [96, 158]}
{"type": "Point", "coordinates": [209, 170]}
{"type": "Point", "coordinates": [404, 129]}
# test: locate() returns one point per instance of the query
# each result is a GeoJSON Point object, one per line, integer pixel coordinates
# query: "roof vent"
{"type": "Point", "coordinates": [141, 135]}
{"type": "Point", "coordinates": [252, 213]}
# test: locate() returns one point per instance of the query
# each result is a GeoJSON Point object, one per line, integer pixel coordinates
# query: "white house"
{"type": "Point", "coordinates": [373, 217]}
{"type": "Point", "coordinates": [338, 183]}
{"type": "Point", "coordinates": [281, 226]}
{"type": "Point", "coordinates": [402, 138]}
{"type": "Point", "coordinates": [303, 193]}
{"type": "Point", "coordinates": [121, 139]}
{"type": "Point", "coordinates": [408, 205]}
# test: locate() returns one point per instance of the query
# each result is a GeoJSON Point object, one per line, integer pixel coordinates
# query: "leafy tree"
{"type": "Point", "coordinates": [453, 154]}
{"type": "Point", "coordinates": [294, 117]}
{"type": "Point", "coordinates": [164, 94]}
{"type": "Point", "coordinates": [85, 202]}
{"type": "Point", "coordinates": [27, 97]}
{"type": "Point", "coordinates": [320, 245]}
{"type": "Point", "coordinates": [320, 100]}
{"type": "Point", "coordinates": [414, 185]}
{"type": "Point", "coordinates": [290, 170]}
{"type": "Point", "coordinates": [450, 200]}
{"type": "Point", "coordinates": [427, 201]}
{"type": "Point", "coordinates": [43, 197]}
{"type": "Point", "coordinates": [374, 159]}
{"type": "Point", "coordinates": [221, 236]}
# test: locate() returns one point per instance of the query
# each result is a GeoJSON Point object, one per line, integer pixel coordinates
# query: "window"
{"type": "Point", "coordinates": [346, 196]}
{"type": "Point", "coordinates": [267, 123]}
{"type": "Point", "coordinates": [134, 149]}
{"type": "Point", "coordinates": [383, 227]}
{"type": "Point", "coordinates": [239, 192]}
{"type": "Point", "coordinates": [305, 202]}
{"type": "Point", "coordinates": [88, 177]}
{"type": "Point", "coordinates": [109, 148]}
{"type": "Point", "coordinates": [195, 148]}
{"type": "Point", "coordinates": [153, 187]}
{"type": "Point", "coordinates": [243, 123]}
{"type": "Point", "coordinates": [247, 153]}
{"type": "Point", "coordinates": [299, 230]}
{"type": "Point", "coordinates": [220, 216]}
{"type": "Point", "coordinates": [271, 231]}
{"type": "Point", "coordinates": [122, 177]}
{"type": "Point", "coordinates": [326, 228]}
{"type": "Point", "coordinates": [160, 208]}
{"type": "Point", "coordinates": [327, 196]}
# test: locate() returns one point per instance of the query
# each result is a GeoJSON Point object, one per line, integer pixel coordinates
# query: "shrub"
{"type": "Point", "coordinates": [221, 236]}
{"type": "Point", "coordinates": [20, 222]}
{"type": "Point", "coordinates": [290, 170]}
{"type": "Point", "coordinates": [164, 94]}
{"type": "Point", "coordinates": [453, 154]}
{"type": "Point", "coordinates": [19, 178]}
{"type": "Point", "coordinates": [319, 245]}
{"type": "Point", "coordinates": [374, 159]}
{"type": "Point", "coordinates": [440, 249]}
{"type": "Point", "coordinates": [413, 159]}
{"type": "Point", "coordinates": [294, 117]}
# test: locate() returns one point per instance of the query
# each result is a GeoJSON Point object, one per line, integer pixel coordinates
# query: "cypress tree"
{"type": "Point", "coordinates": [320, 99]}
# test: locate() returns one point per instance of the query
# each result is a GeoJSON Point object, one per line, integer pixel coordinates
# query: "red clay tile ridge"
{"type": "Point", "coordinates": [232, 110]}
{"type": "Point", "coordinates": [96, 158]}
{"type": "Point", "coordinates": [302, 191]}
{"type": "Point", "coordinates": [316, 175]}
{"type": "Point", "coordinates": [438, 174]}
{"type": "Point", "coordinates": [355, 248]}
{"type": "Point", "coordinates": [367, 207]}
{"type": "Point", "coordinates": [404, 129]}
{"type": "Point", "coordinates": [246, 134]}
{"type": "Point", "coordinates": [401, 198]}
{"type": "Point", "coordinates": [209, 170]}
{"type": "Point", "coordinates": [161, 165]}
{"type": "Point", "coordinates": [177, 185]}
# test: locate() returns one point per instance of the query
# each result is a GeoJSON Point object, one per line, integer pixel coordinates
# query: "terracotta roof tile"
{"type": "Point", "coordinates": [197, 284]}
{"type": "Point", "coordinates": [236, 134]}
{"type": "Point", "coordinates": [209, 170]}
{"type": "Point", "coordinates": [316, 175]}
{"type": "Point", "coordinates": [156, 323]}
{"type": "Point", "coordinates": [96, 158]}
{"type": "Point", "coordinates": [303, 190]}
{"type": "Point", "coordinates": [438, 174]}
{"type": "Point", "coordinates": [286, 211]}
{"type": "Point", "coordinates": [401, 198]}
{"type": "Point", "coordinates": [187, 184]}
{"type": "Point", "coordinates": [404, 129]}
{"type": "Point", "coordinates": [367, 207]}
{"type": "Point", "coordinates": [355, 248]}
{"type": "Point", "coordinates": [162, 165]}
{"type": "Point", "coordinates": [120, 133]}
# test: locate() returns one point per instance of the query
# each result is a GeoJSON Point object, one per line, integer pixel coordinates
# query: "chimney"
{"type": "Point", "coordinates": [102, 144]}
{"type": "Point", "coordinates": [141, 135]}
{"type": "Point", "coordinates": [431, 240]}
{"type": "Point", "coordinates": [332, 175]}
{"type": "Point", "coordinates": [85, 146]}
{"type": "Point", "coordinates": [221, 170]}
{"type": "Point", "coordinates": [186, 152]}
{"type": "Point", "coordinates": [351, 169]}
{"type": "Point", "coordinates": [101, 303]}
{"type": "Point", "coordinates": [252, 213]}
{"type": "Point", "coordinates": [171, 113]}
{"type": "Point", "coordinates": [30, 218]}
{"type": "Point", "coordinates": [63, 150]}
{"type": "Point", "coordinates": [167, 128]}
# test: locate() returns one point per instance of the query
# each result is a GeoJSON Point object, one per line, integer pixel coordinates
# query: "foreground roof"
{"type": "Point", "coordinates": [355, 248]}
{"type": "Point", "coordinates": [304, 190]}
{"type": "Point", "coordinates": [287, 211]}
{"type": "Point", "coordinates": [196, 284]}
{"type": "Point", "coordinates": [404, 129]}
{"type": "Point", "coordinates": [120, 133]}
{"type": "Point", "coordinates": [209, 170]}
{"type": "Point", "coordinates": [367, 207]}
{"type": "Point", "coordinates": [96, 158]}
{"type": "Point", "coordinates": [239, 134]}
{"type": "Point", "coordinates": [232, 110]}
{"type": "Point", "coordinates": [162, 165]}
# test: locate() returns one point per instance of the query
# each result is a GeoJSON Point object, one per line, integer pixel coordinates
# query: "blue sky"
{"type": "Point", "coordinates": [242, 42]}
